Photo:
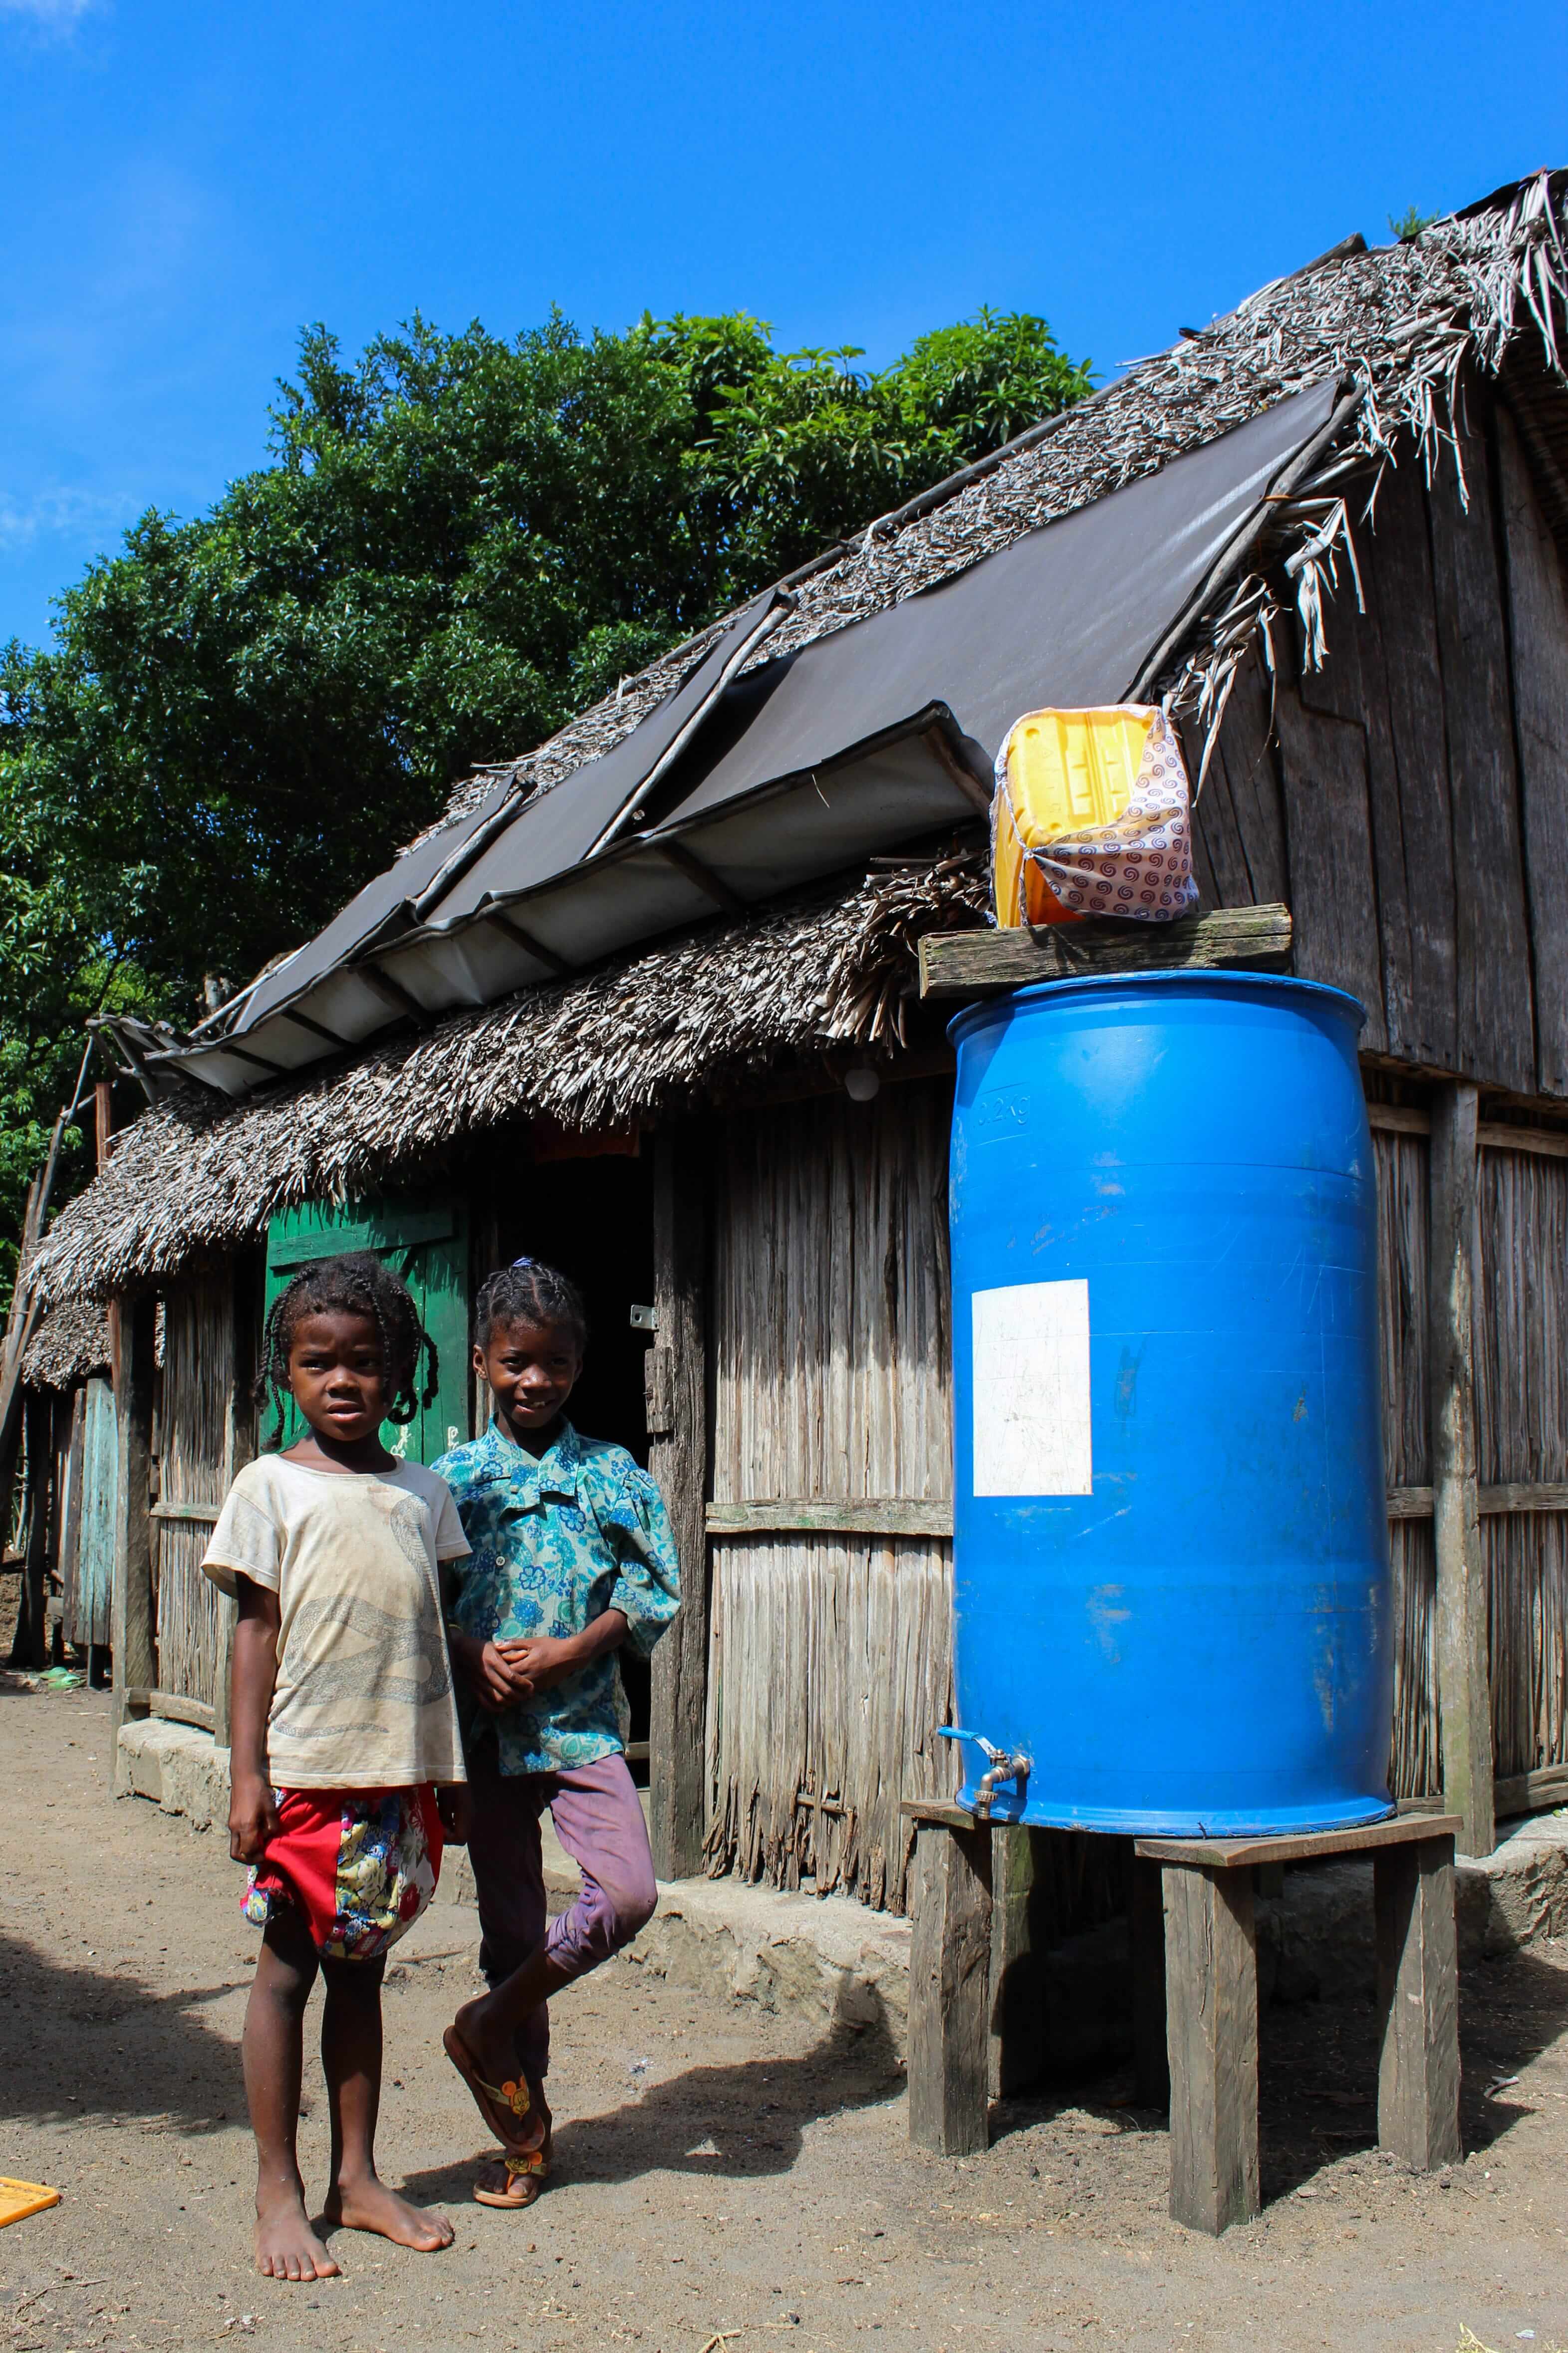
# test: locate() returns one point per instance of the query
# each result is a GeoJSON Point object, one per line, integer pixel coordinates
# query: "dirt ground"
{"type": "Point", "coordinates": [728, 2178]}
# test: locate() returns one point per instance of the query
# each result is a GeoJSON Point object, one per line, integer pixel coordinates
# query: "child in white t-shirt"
{"type": "Point", "coordinates": [346, 1761]}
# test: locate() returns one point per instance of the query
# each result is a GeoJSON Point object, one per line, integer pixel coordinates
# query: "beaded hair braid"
{"type": "Point", "coordinates": [358, 1285]}
{"type": "Point", "coordinates": [529, 1291]}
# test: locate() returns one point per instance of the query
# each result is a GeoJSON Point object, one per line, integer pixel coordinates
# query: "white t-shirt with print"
{"type": "Point", "coordinates": [363, 1696]}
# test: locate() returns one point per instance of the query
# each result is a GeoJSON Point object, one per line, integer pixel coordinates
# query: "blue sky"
{"type": "Point", "coordinates": [182, 187]}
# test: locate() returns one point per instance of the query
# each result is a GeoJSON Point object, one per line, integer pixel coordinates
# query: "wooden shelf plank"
{"type": "Point", "coordinates": [1496, 1135]}
{"type": "Point", "coordinates": [1491, 1135]}
{"type": "Point", "coordinates": [881, 1515]}
{"type": "Point", "coordinates": [1237, 1853]}
{"type": "Point", "coordinates": [942, 1811]}
{"type": "Point", "coordinates": [894, 1515]}
{"type": "Point", "coordinates": [1525, 1496]}
{"type": "Point", "coordinates": [978, 964]}
{"type": "Point", "coordinates": [173, 1706]}
{"type": "Point", "coordinates": [1531, 1793]}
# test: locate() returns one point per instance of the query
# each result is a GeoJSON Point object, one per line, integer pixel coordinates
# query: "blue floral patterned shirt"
{"type": "Point", "coordinates": [556, 1540]}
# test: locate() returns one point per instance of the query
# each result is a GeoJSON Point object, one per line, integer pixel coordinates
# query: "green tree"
{"type": "Point", "coordinates": [458, 542]}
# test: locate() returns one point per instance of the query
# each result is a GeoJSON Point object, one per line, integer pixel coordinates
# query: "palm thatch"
{"type": "Point", "coordinates": [70, 1342]}
{"type": "Point", "coordinates": [630, 1041]}
{"type": "Point", "coordinates": [1399, 326]}
{"type": "Point", "coordinates": [1399, 322]}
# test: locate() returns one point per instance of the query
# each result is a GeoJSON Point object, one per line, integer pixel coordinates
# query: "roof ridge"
{"type": "Point", "coordinates": [1405, 345]}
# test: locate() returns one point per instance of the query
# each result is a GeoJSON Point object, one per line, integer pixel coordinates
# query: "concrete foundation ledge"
{"type": "Point", "coordinates": [1519, 1892]}
{"type": "Point", "coordinates": [831, 1959]}
{"type": "Point", "coordinates": [828, 1957]}
{"type": "Point", "coordinates": [183, 1771]}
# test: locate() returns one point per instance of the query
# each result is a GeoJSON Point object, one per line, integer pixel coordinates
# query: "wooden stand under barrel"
{"type": "Point", "coordinates": [1195, 1995]}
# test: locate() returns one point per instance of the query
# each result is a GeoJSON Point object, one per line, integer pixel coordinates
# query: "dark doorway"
{"type": "Point", "coordinates": [594, 1220]}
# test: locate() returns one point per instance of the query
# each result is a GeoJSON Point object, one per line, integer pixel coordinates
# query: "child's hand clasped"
{"type": "Point", "coordinates": [498, 1680]}
{"type": "Point", "coordinates": [543, 1659]}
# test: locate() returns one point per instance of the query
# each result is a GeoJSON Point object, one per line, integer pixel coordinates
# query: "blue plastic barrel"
{"type": "Point", "coordinates": [1171, 1543]}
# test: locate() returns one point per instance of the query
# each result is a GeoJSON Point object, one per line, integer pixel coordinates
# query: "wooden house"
{"type": "Point", "coordinates": [647, 1002]}
{"type": "Point", "coordinates": [71, 1444]}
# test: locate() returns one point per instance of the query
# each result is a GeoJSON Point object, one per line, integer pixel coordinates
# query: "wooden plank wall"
{"type": "Point", "coordinates": [1522, 1435]}
{"type": "Point", "coordinates": [830, 1654]}
{"type": "Point", "coordinates": [195, 1421]}
{"type": "Point", "coordinates": [1519, 1362]}
{"type": "Point", "coordinates": [1412, 806]}
{"type": "Point", "coordinates": [1403, 1252]}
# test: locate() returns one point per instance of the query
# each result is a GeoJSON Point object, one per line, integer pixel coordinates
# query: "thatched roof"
{"type": "Point", "coordinates": [1401, 321]}
{"type": "Point", "coordinates": [623, 1045]}
{"type": "Point", "coordinates": [1400, 324]}
{"type": "Point", "coordinates": [70, 1343]}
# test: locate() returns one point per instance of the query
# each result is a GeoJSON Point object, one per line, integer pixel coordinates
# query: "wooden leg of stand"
{"type": "Point", "coordinates": [1211, 1990]}
{"type": "Point", "coordinates": [1417, 2004]}
{"type": "Point", "coordinates": [950, 1991]}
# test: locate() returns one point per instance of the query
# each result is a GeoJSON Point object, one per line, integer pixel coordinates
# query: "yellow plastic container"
{"type": "Point", "coordinates": [1069, 773]}
{"type": "Point", "coordinates": [20, 2199]}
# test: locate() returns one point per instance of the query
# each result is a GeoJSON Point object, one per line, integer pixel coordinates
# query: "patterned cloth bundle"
{"type": "Point", "coordinates": [1092, 817]}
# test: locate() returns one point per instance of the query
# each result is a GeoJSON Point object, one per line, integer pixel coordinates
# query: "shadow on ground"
{"type": "Point", "coordinates": [1318, 2071]}
{"type": "Point", "coordinates": [739, 2122]}
{"type": "Point", "coordinates": [76, 2042]}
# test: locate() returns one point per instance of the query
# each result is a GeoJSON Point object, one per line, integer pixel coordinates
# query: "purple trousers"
{"type": "Point", "coordinates": [599, 1821]}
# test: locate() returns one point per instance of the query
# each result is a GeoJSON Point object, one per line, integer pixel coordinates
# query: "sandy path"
{"type": "Point", "coordinates": [748, 2177]}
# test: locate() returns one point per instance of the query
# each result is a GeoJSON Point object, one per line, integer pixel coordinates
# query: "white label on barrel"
{"type": "Point", "coordinates": [1031, 1390]}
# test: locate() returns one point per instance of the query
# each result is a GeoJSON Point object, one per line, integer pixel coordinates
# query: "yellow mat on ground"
{"type": "Point", "coordinates": [18, 2198]}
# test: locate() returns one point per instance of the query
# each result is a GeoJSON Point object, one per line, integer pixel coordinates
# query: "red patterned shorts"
{"type": "Point", "coordinates": [357, 1866]}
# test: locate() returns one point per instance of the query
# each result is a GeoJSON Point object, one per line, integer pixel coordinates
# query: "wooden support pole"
{"type": "Point", "coordinates": [677, 1458]}
{"type": "Point", "coordinates": [1464, 1683]}
{"type": "Point", "coordinates": [29, 1644]}
{"type": "Point", "coordinates": [950, 1991]}
{"type": "Point", "coordinates": [102, 1125]}
{"type": "Point", "coordinates": [1146, 1923]}
{"type": "Point", "coordinates": [1020, 1934]}
{"type": "Point", "coordinates": [133, 1611]}
{"type": "Point", "coordinates": [1417, 2004]}
{"type": "Point", "coordinates": [247, 1285]}
{"type": "Point", "coordinates": [1211, 1980]}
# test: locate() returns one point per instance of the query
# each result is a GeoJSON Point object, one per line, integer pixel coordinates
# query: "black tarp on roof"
{"type": "Point", "coordinates": [1066, 615]}
{"type": "Point", "coordinates": [558, 828]}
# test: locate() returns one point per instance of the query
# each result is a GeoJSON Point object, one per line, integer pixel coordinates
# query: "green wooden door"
{"type": "Point", "coordinates": [428, 1245]}
{"type": "Point", "coordinates": [90, 1585]}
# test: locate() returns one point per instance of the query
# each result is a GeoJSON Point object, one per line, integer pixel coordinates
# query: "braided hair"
{"type": "Point", "coordinates": [359, 1284]}
{"type": "Point", "coordinates": [529, 1291]}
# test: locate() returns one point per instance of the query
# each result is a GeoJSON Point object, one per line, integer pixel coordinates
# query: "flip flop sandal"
{"type": "Point", "coordinates": [500, 2104]}
{"type": "Point", "coordinates": [527, 2171]}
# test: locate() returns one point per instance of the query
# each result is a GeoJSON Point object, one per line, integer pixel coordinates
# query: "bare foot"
{"type": "Point", "coordinates": [286, 2246]}
{"type": "Point", "coordinates": [369, 2205]}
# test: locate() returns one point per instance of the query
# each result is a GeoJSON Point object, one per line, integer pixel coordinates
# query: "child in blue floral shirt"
{"type": "Point", "coordinates": [571, 1555]}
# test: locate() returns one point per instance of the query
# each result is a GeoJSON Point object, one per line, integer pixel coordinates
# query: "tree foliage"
{"type": "Point", "coordinates": [458, 542]}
